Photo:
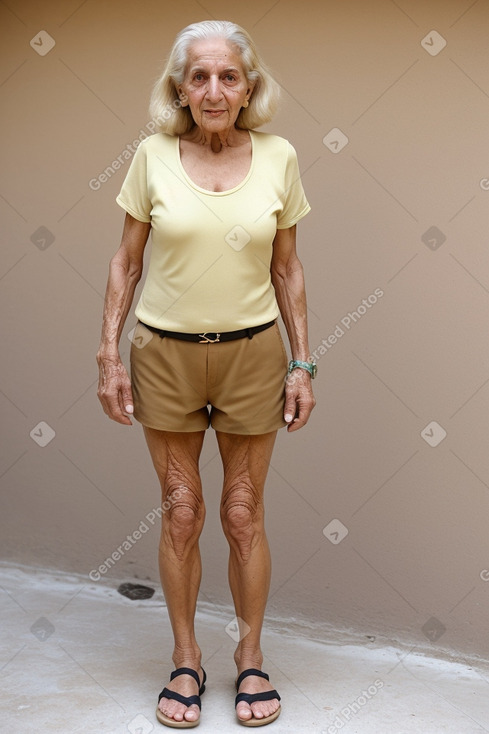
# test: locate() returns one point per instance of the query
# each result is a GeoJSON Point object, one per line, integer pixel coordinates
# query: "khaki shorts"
{"type": "Point", "coordinates": [242, 381]}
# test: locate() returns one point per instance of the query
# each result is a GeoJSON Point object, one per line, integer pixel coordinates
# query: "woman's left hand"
{"type": "Point", "coordinates": [299, 399]}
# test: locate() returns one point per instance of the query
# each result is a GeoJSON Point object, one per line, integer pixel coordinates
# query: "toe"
{"type": "Point", "coordinates": [258, 711]}
{"type": "Point", "coordinates": [172, 709]}
{"type": "Point", "coordinates": [192, 713]}
{"type": "Point", "coordinates": [244, 711]}
{"type": "Point", "coordinates": [262, 709]}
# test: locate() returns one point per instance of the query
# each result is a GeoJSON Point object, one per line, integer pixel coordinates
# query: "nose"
{"type": "Point", "coordinates": [214, 93]}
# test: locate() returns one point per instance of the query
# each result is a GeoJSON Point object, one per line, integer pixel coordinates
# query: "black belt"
{"type": "Point", "coordinates": [210, 337]}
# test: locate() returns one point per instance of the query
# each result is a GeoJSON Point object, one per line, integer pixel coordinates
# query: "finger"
{"type": "Point", "coordinates": [304, 409]}
{"type": "Point", "coordinates": [288, 416]}
{"type": "Point", "coordinates": [298, 422]}
{"type": "Point", "coordinates": [295, 424]}
{"type": "Point", "coordinates": [126, 403]}
{"type": "Point", "coordinates": [116, 413]}
{"type": "Point", "coordinates": [120, 417]}
{"type": "Point", "coordinates": [113, 408]}
{"type": "Point", "coordinates": [122, 410]}
{"type": "Point", "coordinates": [290, 407]}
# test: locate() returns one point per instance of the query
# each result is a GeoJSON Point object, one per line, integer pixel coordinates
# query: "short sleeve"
{"type": "Point", "coordinates": [295, 205]}
{"type": "Point", "coordinates": [133, 196]}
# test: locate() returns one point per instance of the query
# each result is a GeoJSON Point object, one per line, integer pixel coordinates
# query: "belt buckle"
{"type": "Point", "coordinates": [207, 340]}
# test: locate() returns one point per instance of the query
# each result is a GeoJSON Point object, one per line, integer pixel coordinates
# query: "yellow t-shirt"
{"type": "Point", "coordinates": [211, 251]}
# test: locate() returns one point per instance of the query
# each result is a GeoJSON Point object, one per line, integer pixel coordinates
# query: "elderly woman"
{"type": "Point", "coordinates": [221, 202]}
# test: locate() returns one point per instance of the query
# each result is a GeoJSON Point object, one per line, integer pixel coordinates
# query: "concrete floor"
{"type": "Point", "coordinates": [79, 657]}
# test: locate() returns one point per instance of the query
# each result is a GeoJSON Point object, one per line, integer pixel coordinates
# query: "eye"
{"type": "Point", "coordinates": [198, 76]}
{"type": "Point", "coordinates": [230, 78]}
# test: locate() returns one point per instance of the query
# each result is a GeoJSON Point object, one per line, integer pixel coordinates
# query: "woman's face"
{"type": "Point", "coordinates": [215, 85]}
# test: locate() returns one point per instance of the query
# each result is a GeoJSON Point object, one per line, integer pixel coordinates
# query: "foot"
{"type": "Point", "coordinates": [258, 709]}
{"type": "Point", "coordinates": [186, 686]}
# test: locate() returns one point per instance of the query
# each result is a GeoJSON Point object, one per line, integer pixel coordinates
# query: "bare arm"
{"type": "Point", "coordinates": [288, 280]}
{"type": "Point", "coordinates": [114, 389]}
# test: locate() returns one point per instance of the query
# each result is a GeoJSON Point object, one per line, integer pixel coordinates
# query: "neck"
{"type": "Point", "coordinates": [215, 141]}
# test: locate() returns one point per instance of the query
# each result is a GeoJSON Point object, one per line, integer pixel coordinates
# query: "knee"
{"type": "Point", "coordinates": [241, 515]}
{"type": "Point", "coordinates": [183, 518]}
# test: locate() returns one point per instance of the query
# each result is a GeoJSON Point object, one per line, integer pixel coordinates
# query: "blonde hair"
{"type": "Point", "coordinates": [165, 107]}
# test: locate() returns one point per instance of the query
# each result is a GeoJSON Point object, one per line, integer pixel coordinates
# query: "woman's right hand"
{"type": "Point", "coordinates": [114, 389]}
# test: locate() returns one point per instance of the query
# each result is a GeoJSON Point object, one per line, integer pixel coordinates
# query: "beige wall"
{"type": "Point", "coordinates": [416, 514]}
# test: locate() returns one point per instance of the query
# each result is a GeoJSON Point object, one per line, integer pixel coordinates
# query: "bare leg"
{"type": "Point", "coordinates": [176, 460]}
{"type": "Point", "coordinates": [245, 461]}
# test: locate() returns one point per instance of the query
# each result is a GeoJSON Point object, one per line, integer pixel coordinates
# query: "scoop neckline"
{"type": "Point", "coordinates": [226, 191]}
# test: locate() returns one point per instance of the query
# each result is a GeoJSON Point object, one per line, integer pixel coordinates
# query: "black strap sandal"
{"type": "Point", "coordinates": [252, 697]}
{"type": "Point", "coordinates": [186, 700]}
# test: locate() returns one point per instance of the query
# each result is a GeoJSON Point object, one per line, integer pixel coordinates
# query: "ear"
{"type": "Point", "coordinates": [249, 92]}
{"type": "Point", "coordinates": [182, 97]}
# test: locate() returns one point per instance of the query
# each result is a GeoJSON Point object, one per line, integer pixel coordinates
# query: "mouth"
{"type": "Point", "coordinates": [214, 113]}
